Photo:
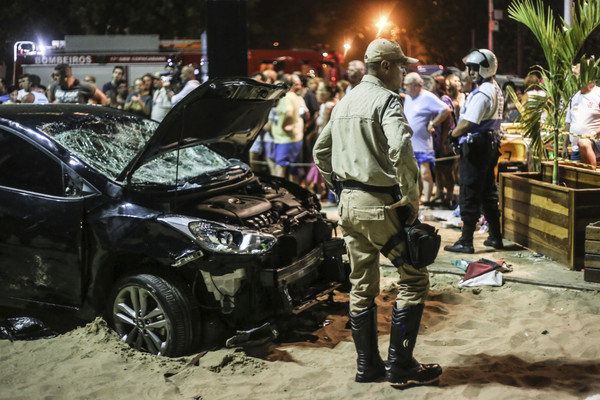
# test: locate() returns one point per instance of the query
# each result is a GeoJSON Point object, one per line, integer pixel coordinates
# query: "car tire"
{"type": "Point", "coordinates": [154, 314]}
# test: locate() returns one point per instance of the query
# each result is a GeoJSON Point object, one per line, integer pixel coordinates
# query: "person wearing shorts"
{"type": "Point", "coordinates": [424, 111]}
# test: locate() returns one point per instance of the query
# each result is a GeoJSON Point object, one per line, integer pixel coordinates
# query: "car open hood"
{"type": "Point", "coordinates": [224, 113]}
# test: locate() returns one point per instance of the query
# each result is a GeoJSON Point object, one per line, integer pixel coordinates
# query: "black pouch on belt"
{"type": "Point", "coordinates": [423, 242]}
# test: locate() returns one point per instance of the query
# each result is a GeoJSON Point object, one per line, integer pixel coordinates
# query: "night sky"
{"type": "Point", "coordinates": [435, 31]}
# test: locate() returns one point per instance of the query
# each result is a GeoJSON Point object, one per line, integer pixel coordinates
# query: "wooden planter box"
{"type": "Point", "coordinates": [592, 253]}
{"type": "Point", "coordinates": [551, 219]}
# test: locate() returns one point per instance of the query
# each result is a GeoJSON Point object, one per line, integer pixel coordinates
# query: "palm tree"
{"type": "Point", "coordinates": [561, 45]}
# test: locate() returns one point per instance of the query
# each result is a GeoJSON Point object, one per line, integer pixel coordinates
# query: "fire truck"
{"type": "Point", "coordinates": [97, 55]}
{"type": "Point", "coordinates": [141, 54]}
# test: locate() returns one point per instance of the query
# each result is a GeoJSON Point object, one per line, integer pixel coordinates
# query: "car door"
{"type": "Point", "coordinates": [41, 226]}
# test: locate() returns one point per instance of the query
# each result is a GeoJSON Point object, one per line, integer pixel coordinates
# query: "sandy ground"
{"type": "Point", "coordinates": [512, 342]}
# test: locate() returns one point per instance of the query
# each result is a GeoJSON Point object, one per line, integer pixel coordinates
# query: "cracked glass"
{"type": "Point", "coordinates": [109, 145]}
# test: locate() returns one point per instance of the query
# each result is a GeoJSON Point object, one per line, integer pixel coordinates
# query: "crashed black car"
{"type": "Point", "coordinates": [158, 227]}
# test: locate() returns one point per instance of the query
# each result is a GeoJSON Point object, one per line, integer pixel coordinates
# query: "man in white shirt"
{"type": "Point", "coordinates": [188, 78]}
{"type": "Point", "coordinates": [31, 85]}
{"type": "Point", "coordinates": [583, 118]}
{"type": "Point", "coordinates": [22, 92]}
{"type": "Point", "coordinates": [161, 104]}
{"type": "Point", "coordinates": [424, 111]}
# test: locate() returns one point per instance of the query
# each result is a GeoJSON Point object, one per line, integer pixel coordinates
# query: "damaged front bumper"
{"type": "Point", "coordinates": [312, 276]}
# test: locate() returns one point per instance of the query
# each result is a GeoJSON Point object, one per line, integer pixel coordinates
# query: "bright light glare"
{"type": "Point", "coordinates": [347, 47]}
{"type": "Point", "coordinates": [381, 24]}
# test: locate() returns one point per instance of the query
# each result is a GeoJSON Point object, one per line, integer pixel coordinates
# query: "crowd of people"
{"type": "Point", "coordinates": [151, 96]}
{"type": "Point", "coordinates": [284, 147]}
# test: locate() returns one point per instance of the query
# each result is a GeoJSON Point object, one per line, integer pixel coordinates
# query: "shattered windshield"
{"type": "Point", "coordinates": [193, 161]}
{"type": "Point", "coordinates": [109, 145]}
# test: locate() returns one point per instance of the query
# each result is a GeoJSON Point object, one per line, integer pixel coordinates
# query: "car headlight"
{"type": "Point", "coordinates": [222, 238]}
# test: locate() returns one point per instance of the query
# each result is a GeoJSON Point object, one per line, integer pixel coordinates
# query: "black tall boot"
{"type": "Point", "coordinates": [465, 243]}
{"type": "Point", "coordinates": [495, 238]}
{"type": "Point", "coordinates": [401, 368]}
{"type": "Point", "coordinates": [369, 365]}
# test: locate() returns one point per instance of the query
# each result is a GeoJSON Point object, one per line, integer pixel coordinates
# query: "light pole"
{"type": "Point", "coordinates": [568, 4]}
{"type": "Point", "coordinates": [491, 25]}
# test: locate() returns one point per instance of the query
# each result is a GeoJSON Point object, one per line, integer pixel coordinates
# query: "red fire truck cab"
{"type": "Point", "coordinates": [141, 54]}
{"type": "Point", "coordinates": [98, 55]}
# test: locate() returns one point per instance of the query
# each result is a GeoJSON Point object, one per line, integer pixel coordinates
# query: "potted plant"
{"type": "Point", "coordinates": [549, 210]}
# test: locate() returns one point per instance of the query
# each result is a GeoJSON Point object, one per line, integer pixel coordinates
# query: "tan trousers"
{"type": "Point", "coordinates": [367, 226]}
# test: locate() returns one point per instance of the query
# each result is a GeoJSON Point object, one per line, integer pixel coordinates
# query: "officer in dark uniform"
{"type": "Point", "coordinates": [477, 137]}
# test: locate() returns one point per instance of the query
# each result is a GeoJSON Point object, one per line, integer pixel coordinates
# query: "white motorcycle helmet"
{"type": "Point", "coordinates": [482, 60]}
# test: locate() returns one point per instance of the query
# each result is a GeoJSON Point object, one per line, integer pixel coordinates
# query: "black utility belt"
{"type": "Point", "coordinates": [355, 185]}
{"type": "Point", "coordinates": [478, 137]}
{"type": "Point", "coordinates": [485, 133]}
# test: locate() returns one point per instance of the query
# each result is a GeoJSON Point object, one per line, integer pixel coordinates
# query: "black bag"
{"type": "Point", "coordinates": [423, 243]}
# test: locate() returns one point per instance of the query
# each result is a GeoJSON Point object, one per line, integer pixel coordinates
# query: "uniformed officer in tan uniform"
{"type": "Point", "coordinates": [366, 151]}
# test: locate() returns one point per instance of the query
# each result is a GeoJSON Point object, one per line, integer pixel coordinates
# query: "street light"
{"type": "Point", "coordinates": [381, 24]}
{"type": "Point", "coordinates": [347, 47]}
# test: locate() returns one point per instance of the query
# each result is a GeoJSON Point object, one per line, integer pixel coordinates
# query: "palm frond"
{"type": "Point", "coordinates": [530, 119]}
{"type": "Point", "coordinates": [561, 45]}
{"type": "Point", "coordinates": [586, 18]}
{"type": "Point", "coordinates": [542, 25]}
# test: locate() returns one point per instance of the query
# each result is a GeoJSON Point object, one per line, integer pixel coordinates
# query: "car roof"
{"type": "Point", "coordinates": [30, 115]}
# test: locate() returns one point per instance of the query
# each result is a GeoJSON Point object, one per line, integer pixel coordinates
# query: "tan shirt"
{"type": "Point", "coordinates": [368, 140]}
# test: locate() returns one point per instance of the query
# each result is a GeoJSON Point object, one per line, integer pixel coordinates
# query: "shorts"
{"type": "Point", "coordinates": [576, 154]}
{"type": "Point", "coordinates": [425, 156]}
{"type": "Point", "coordinates": [269, 148]}
{"type": "Point", "coordinates": [288, 153]}
{"type": "Point", "coordinates": [263, 145]}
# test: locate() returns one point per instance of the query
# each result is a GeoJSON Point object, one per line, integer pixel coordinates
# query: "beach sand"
{"type": "Point", "coordinates": [512, 342]}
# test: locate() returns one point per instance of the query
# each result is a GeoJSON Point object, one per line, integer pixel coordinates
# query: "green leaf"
{"type": "Point", "coordinates": [561, 45]}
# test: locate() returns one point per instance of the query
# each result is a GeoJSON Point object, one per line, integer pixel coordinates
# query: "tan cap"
{"type": "Point", "coordinates": [384, 49]}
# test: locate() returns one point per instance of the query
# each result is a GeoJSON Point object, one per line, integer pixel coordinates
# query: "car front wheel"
{"type": "Point", "coordinates": [153, 314]}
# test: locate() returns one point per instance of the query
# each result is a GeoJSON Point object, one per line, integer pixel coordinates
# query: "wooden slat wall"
{"type": "Point", "coordinates": [536, 215]}
{"type": "Point", "coordinates": [547, 218]}
{"type": "Point", "coordinates": [573, 177]}
{"type": "Point", "coordinates": [592, 252]}
{"type": "Point", "coordinates": [586, 212]}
